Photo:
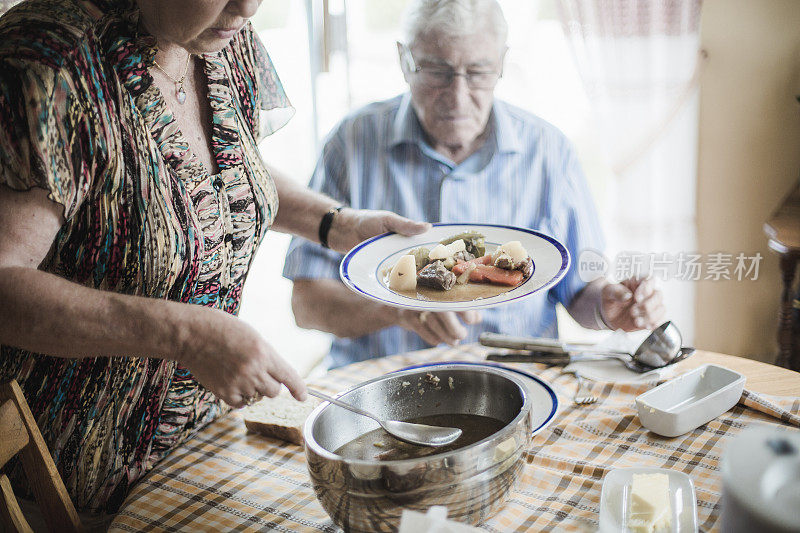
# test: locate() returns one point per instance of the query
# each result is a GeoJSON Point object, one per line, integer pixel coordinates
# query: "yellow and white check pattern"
{"type": "Point", "coordinates": [224, 479]}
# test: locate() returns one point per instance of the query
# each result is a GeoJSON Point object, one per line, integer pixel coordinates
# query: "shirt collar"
{"type": "Point", "coordinates": [407, 129]}
{"type": "Point", "coordinates": [504, 134]}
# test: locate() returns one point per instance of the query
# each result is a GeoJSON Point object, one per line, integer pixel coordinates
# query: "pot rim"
{"type": "Point", "coordinates": [312, 445]}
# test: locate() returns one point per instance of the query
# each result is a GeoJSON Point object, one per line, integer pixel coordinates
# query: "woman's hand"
{"type": "Point", "coordinates": [233, 361]}
{"type": "Point", "coordinates": [437, 328]}
{"type": "Point", "coordinates": [352, 226]}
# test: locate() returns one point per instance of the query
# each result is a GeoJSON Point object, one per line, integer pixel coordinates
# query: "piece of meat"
{"type": "Point", "coordinates": [526, 267]}
{"type": "Point", "coordinates": [459, 268]}
{"type": "Point", "coordinates": [436, 276]}
{"type": "Point", "coordinates": [463, 256]}
{"type": "Point", "coordinates": [505, 261]}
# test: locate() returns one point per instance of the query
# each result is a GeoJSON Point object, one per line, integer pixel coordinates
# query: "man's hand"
{"type": "Point", "coordinates": [351, 226]}
{"type": "Point", "coordinates": [632, 304]}
{"type": "Point", "coordinates": [438, 328]}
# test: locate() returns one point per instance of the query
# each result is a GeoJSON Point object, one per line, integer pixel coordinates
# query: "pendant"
{"type": "Point", "coordinates": [180, 94]}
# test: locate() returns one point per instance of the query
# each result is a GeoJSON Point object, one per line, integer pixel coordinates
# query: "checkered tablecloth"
{"type": "Point", "coordinates": [225, 479]}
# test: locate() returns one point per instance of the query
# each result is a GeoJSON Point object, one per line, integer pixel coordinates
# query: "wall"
{"type": "Point", "coordinates": [749, 158]}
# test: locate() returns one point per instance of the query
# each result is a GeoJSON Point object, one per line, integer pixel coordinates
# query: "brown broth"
{"type": "Point", "coordinates": [377, 445]}
{"type": "Point", "coordinates": [460, 293]}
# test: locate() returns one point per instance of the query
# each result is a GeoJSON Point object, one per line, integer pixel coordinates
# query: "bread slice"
{"type": "Point", "coordinates": [281, 417]}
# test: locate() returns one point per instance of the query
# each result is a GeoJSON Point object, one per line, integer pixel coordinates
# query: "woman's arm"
{"type": "Point", "coordinates": [301, 210]}
{"type": "Point", "coordinates": [44, 313]}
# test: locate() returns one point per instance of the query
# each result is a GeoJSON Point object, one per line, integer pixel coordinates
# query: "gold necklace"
{"type": "Point", "coordinates": [180, 93]}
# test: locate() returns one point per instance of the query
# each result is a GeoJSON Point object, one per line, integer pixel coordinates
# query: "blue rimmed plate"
{"type": "Point", "coordinates": [544, 402]}
{"type": "Point", "coordinates": [364, 267]}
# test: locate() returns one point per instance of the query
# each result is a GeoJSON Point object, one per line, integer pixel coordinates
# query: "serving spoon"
{"type": "Point", "coordinates": [421, 434]}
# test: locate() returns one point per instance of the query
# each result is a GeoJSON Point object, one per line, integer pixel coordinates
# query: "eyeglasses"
{"type": "Point", "coordinates": [439, 77]}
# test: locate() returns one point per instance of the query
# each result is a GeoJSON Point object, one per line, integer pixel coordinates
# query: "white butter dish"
{"type": "Point", "coordinates": [615, 501]}
{"type": "Point", "coordinates": [690, 400]}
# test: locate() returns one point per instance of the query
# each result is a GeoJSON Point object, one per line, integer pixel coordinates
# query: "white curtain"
{"type": "Point", "coordinates": [640, 63]}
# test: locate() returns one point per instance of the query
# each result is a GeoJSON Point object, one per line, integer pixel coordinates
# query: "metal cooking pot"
{"type": "Point", "coordinates": [472, 482]}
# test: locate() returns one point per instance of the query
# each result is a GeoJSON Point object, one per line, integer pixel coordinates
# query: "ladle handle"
{"type": "Point", "coordinates": [342, 404]}
{"type": "Point", "coordinates": [577, 357]}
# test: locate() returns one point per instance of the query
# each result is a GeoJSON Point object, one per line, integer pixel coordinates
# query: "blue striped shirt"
{"type": "Point", "coordinates": [526, 174]}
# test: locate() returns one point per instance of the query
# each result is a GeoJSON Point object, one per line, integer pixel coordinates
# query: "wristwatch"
{"type": "Point", "coordinates": [325, 224]}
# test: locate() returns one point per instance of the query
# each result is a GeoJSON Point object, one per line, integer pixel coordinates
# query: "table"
{"type": "Point", "coordinates": [224, 479]}
{"type": "Point", "coordinates": [783, 230]}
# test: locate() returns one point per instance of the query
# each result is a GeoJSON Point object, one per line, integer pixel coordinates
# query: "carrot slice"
{"type": "Point", "coordinates": [496, 276]}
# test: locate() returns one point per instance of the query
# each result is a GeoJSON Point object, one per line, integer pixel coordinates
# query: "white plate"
{"type": "Point", "coordinates": [613, 371]}
{"type": "Point", "coordinates": [361, 269]}
{"type": "Point", "coordinates": [614, 500]}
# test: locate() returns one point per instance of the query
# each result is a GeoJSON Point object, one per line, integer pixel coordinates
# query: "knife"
{"type": "Point", "coordinates": [531, 357]}
{"type": "Point", "coordinates": [549, 358]}
{"type": "Point", "coordinates": [536, 344]}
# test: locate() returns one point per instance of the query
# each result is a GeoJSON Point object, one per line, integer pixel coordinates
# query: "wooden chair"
{"type": "Point", "coordinates": [20, 435]}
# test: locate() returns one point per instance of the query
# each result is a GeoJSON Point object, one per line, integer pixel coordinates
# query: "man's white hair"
{"type": "Point", "coordinates": [453, 18]}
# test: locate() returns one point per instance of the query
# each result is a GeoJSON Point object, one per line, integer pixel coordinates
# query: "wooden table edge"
{"type": "Point", "coordinates": [761, 377]}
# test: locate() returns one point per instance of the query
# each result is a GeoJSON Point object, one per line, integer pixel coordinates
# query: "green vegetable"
{"type": "Point", "coordinates": [474, 241]}
{"type": "Point", "coordinates": [420, 257]}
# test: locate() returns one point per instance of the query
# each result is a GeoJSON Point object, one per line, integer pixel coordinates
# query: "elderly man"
{"type": "Point", "coordinates": [449, 151]}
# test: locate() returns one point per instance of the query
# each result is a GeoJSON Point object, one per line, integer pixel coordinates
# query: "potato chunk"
{"type": "Point", "coordinates": [513, 249]}
{"type": "Point", "coordinates": [440, 251]}
{"type": "Point", "coordinates": [457, 246]}
{"type": "Point", "coordinates": [403, 276]}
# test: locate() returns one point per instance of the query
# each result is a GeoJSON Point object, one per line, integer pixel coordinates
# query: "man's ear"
{"type": "Point", "coordinates": [403, 64]}
{"type": "Point", "coordinates": [503, 59]}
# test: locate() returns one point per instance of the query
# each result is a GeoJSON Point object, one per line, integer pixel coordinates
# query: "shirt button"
{"type": "Point", "coordinates": [223, 291]}
{"type": "Point", "coordinates": [218, 184]}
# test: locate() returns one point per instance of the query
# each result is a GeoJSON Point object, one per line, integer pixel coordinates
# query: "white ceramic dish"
{"type": "Point", "coordinates": [615, 498]}
{"type": "Point", "coordinates": [363, 266]}
{"type": "Point", "coordinates": [690, 400]}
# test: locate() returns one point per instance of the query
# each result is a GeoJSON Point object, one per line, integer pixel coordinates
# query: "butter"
{"type": "Point", "coordinates": [504, 450]}
{"type": "Point", "coordinates": [649, 504]}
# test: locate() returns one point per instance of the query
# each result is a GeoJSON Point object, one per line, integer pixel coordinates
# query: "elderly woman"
{"type": "Point", "coordinates": [132, 202]}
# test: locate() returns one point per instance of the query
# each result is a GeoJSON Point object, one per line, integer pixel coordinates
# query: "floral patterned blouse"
{"type": "Point", "coordinates": [82, 119]}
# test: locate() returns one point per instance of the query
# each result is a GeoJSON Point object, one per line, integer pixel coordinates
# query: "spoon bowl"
{"type": "Point", "coordinates": [640, 367]}
{"type": "Point", "coordinates": [420, 434]}
{"type": "Point", "coordinates": [661, 347]}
